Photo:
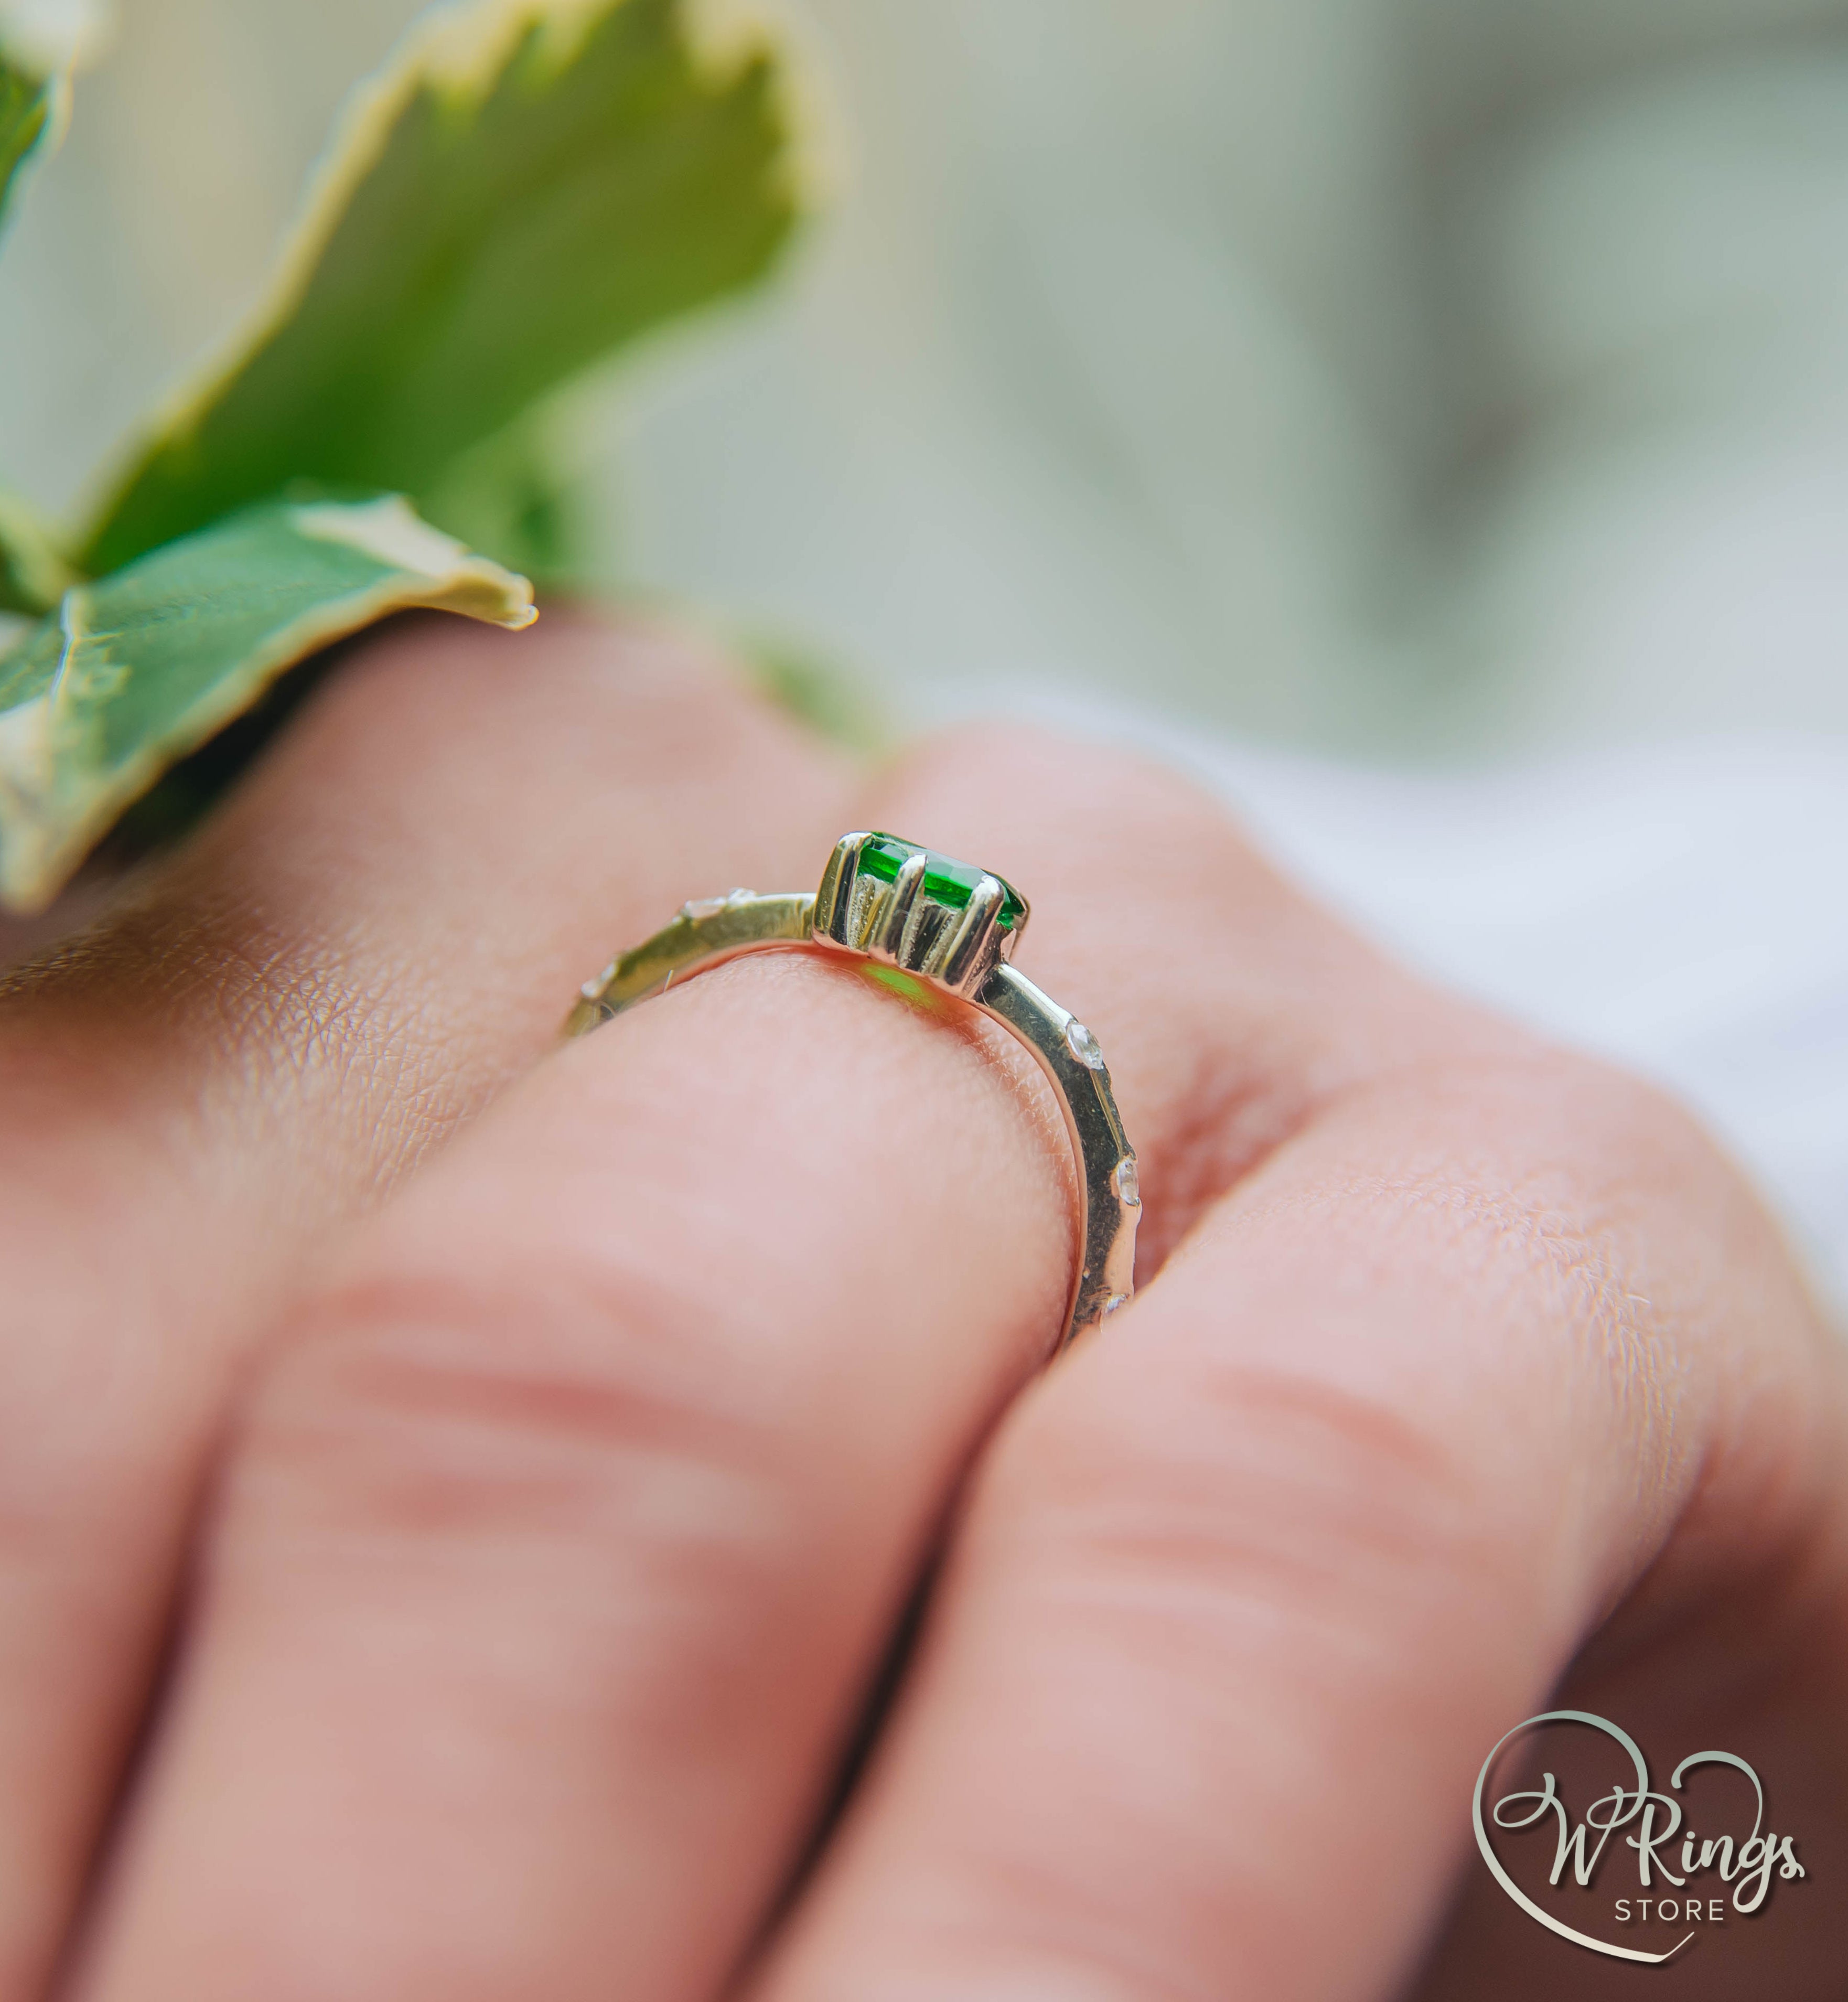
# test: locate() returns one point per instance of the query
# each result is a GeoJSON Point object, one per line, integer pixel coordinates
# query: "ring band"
{"type": "Point", "coordinates": [952, 927]}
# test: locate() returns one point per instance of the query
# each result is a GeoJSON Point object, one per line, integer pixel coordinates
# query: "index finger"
{"type": "Point", "coordinates": [359, 949]}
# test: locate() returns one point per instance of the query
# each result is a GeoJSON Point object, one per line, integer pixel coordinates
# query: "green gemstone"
{"type": "Point", "coordinates": [950, 883]}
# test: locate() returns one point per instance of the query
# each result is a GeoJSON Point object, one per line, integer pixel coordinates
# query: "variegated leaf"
{"type": "Point", "coordinates": [532, 185]}
{"type": "Point", "coordinates": [130, 673]}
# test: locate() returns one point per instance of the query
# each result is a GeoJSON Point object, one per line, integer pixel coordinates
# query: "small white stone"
{"type": "Point", "coordinates": [702, 907]}
{"type": "Point", "coordinates": [1116, 1300]}
{"type": "Point", "coordinates": [1128, 1184]}
{"type": "Point", "coordinates": [1083, 1044]}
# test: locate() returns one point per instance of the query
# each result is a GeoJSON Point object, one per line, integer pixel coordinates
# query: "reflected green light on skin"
{"type": "Point", "coordinates": [907, 986]}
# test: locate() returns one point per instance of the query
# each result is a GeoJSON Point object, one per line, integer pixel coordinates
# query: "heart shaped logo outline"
{"type": "Point", "coordinates": [1640, 1767]}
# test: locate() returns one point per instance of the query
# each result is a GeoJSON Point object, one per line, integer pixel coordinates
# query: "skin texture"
{"type": "Point", "coordinates": [457, 1495]}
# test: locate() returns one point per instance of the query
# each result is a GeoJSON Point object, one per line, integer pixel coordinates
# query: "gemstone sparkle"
{"type": "Point", "coordinates": [946, 881]}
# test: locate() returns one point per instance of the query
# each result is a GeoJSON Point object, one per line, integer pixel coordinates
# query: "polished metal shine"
{"type": "Point", "coordinates": [954, 927]}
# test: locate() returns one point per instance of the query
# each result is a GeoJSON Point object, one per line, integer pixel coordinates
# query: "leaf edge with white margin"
{"type": "Point", "coordinates": [44, 839]}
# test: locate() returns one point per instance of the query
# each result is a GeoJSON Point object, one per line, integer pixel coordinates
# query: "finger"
{"type": "Point", "coordinates": [369, 939]}
{"type": "Point", "coordinates": [1244, 1594]}
{"type": "Point", "coordinates": [563, 1537]}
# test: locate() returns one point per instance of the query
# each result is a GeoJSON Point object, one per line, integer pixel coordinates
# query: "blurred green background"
{"type": "Point", "coordinates": [1420, 378]}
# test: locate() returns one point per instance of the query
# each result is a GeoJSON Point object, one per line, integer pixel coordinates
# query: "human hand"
{"type": "Point", "coordinates": [530, 1453]}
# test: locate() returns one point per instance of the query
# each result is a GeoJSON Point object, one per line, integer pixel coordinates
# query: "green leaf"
{"type": "Point", "coordinates": [39, 47]}
{"type": "Point", "coordinates": [134, 671]}
{"type": "Point", "coordinates": [506, 498]}
{"type": "Point", "coordinates": [28, 105]}
{"type": "Point", "coordinates": [532, 184]}
{"type": "Point", "coordinates": [33, 575]}
{"type": "Point", "coordinates": [816, 690]}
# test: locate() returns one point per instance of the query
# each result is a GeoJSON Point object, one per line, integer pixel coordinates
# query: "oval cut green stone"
{"type": "Point", "coordinates": [946, 881]}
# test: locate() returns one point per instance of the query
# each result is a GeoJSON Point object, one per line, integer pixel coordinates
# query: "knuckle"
{"type": "Point", "coordinates": [672, 705]}
{"type": "Point", "coordinates": [270, 949]}
{"type": "Point", "coordinates": [1230, 1489]}
{"type": "Point", "coordinates": [428, 1412]}
{"type": "Point", "coordinates": [1618, 1115]}
{"type": "Point", "coordinates": [1118, 814]}
{"type": "Point", "coordinates": [1577, 1170]}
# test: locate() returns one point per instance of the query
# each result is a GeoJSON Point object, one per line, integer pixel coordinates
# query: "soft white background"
{"type": "Point", "coordinates": [1430, 418]}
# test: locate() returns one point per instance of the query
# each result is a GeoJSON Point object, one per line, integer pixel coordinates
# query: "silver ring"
{"type": "Point", "coordinates": [955, 927]}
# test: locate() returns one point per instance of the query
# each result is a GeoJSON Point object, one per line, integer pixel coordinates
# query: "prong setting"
{"type": "Point", "coordinates": [974, 939]}
{"type": "Point", "coordinates": [891, 900]}
{"type": "Point", "coordinates": [895, 916]}
{"type": "Point", "coordinates": [836, 896]}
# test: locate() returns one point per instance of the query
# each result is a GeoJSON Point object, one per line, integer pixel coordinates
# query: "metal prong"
{"type": "Point", "coordinates": [957, 953]}
{"type": "Point", "coordinates": [834, 898]}
{"type": "Point", "coordinates": [926, 920]}
{"type": "Point", "coordinates": [905, 887]}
